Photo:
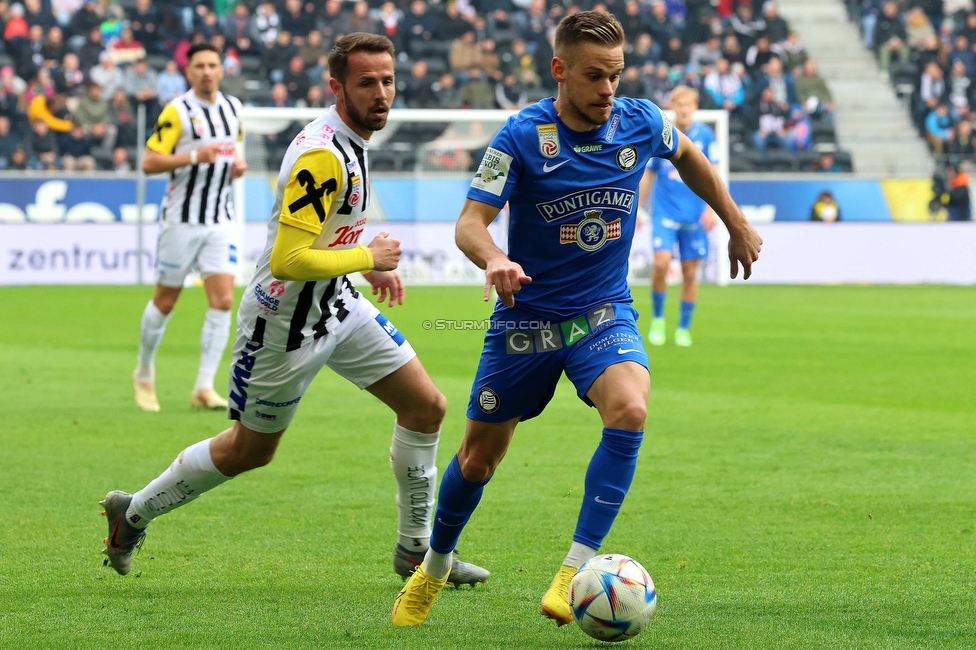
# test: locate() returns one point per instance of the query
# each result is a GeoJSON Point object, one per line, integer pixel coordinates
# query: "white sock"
{"type": "Point", "coordinates": [150, 334]}
{"type": "Point", "coordinates": [413, 457]}
{"type": "Point", "coordinates": [578, 554]}
{"type": "Point", "coordinates": [190, 475]}
{"type": "Point", "coordinates": [213, 340]}
{"type": "Point", "coordinates": [437, 565]}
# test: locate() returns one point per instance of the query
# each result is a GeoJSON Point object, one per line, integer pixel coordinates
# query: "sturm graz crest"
{"type": "Point", "coordinates": [488, 400]}
{"type": "Point", "coordinates": [627, 157]}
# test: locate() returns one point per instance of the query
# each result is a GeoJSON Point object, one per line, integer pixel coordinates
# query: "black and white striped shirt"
{"type": "Point", "coordinates": [201, 193]}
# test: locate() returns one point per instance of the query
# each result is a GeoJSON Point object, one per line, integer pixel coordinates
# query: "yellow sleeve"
{"type": "Point", "coordinates": [315, 180]}
{"type": "Point", "coordinates": [166, 132]}
{"type": "Point", "coordinates": [292, 257]}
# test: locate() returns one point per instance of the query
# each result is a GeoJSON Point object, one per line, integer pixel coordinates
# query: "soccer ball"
{"type": "Point", "coordinates": [613, 597]}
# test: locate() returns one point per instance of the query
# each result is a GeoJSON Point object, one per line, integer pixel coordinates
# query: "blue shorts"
{"type": "Point", "coordinates": [520, 368]}
{"type": "Point", "coordinates": [691, 238]}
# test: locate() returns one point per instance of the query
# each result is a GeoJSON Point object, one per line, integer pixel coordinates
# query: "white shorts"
{"type": "Point", "coordinates": [184, 247]}
{"type": "Point", "coordinates": [266, 385]}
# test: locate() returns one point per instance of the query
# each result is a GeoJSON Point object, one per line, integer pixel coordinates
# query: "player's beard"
{"type": "Point", "coordinates": [596, 121]}
{"type": "Point", "coordinates": [365, 119]}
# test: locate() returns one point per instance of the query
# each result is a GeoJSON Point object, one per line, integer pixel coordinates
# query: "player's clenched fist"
{"type": "Point", "coordinates": [238, 169]}
{"type": "Point", "coordinates": [386, 252]}
{"type": "Point", "coordinates": [207, 153]}
{"type": "Point", "coordinates": [507, 277]}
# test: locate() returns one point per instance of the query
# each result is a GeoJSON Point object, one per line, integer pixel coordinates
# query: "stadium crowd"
{"type": "Point", "coordinates": [927, 49]}
{"type": "Point", "coordinates": [72, 72]}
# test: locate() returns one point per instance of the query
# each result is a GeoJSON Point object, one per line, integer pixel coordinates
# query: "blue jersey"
{"type": "Point", "coordinates": [672, 198]}
{"type": "Point", "coordinates": [573, 201]}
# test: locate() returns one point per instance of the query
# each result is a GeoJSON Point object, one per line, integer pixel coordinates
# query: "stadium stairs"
{"type": "Point", "coordinates": [871, 122]}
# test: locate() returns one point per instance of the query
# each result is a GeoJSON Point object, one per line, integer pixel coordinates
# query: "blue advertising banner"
{"type": "Point", "coordinates": [76, 200]}
{"type": "Point", "coordinates": [104, 200]}
{"type": "Point", "coordinates": [793, 200]}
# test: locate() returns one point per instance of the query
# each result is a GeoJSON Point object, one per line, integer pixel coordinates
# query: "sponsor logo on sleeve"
{"type": "Point", "coordinates": [313, 195]}
{"type": "Point", "coordinates": [667, 134]}
{"type": "Point", "coordinates": [493, 172]}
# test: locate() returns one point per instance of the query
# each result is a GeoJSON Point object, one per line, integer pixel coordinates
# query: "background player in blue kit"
{"type": "Point", "coordinates": [679, 217]}
{"type": "Point", "coordinates": [569, 169]}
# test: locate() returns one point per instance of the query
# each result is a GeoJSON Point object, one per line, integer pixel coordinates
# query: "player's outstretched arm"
{"type": "Point", "coordinates": [699, 174]}
{"type": "Point", "coordinates": [472, 237]}
{"type": "Point", "coordinates": [293, 258]}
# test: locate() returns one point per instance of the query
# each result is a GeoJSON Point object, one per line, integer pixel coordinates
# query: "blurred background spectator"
{"type": "Point", "coordinates": [83, 67]}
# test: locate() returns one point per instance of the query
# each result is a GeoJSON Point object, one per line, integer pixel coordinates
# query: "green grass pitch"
{"type": "Point", "coordinates": [808, 480]}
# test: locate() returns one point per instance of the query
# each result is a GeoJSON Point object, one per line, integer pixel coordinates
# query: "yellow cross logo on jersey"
{"type": "Point", "coordinates": [313, 195]}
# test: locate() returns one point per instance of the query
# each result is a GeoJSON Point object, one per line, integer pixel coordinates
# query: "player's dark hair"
{"type": "Point", "coordinates": [588, 27]}
{"type": "Point", "coordinates": [356, 42]}
{"type": "Point", "coordinates": [200, 47]}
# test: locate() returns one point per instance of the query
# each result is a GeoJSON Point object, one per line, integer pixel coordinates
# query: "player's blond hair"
{"type": "Point", "coordinates": [680, 92]}
{"type": "Point", "coordinates": [356, 42]}
{"type": "Point", "coordinates": [596, 27]}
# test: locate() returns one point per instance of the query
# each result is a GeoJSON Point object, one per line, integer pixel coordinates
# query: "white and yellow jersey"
{"type": "Point", "coordinates": [201, 193]}
{"type": "Point", "coordinates": [323, 188]}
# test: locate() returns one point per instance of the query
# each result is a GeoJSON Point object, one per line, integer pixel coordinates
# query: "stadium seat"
{"type": "Point", "coordinates": [823, 131]}
{"type": "Point", "coordinates": [780, 160]}
{"type": "Point", "coordinates": [250, 65]}
{"type": "Point", "coordinates": [904, 72]}
{"type": "Point", "coordinates": [739, 162]}
{"type": "Point", "coordinates": [158, 61]}
{"type": "Point", "coordinates": [845, 160]}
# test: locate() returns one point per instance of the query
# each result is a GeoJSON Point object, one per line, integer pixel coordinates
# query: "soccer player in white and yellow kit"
{"type": "Point", "coordinates": [194, 141]}
{"type": "Point", "coordinates": [301, 312]}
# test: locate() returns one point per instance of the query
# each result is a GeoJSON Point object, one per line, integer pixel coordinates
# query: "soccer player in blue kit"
{"type": "Point", "coordinates": [569, 168]}
{"type": "Point", "coordinates": [679, 217]}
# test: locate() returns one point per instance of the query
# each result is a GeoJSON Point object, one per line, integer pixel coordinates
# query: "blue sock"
{"type": "Point", "coordinates": [687, 311]}
{"type": "Point", "coordinates": [607, 480]}
{"type": "Point", "coordinates": [657, 297]}
{"type": "Point", "coordinates": [456, 500]}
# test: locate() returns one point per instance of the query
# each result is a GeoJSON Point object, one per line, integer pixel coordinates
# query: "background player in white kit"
{"type": "Point", "coordinates": [194, 140]}
{"type": "Point", "coordinates": [300, 312]}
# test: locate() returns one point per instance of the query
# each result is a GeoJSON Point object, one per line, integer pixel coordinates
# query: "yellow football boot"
{"type": "Point", "coordinates": [415, 600]}
{"type": "Point", "coordinates": [555, 602]}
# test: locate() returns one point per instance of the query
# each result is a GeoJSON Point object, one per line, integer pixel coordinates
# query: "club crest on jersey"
{"type": "Point", "coordinates": [548, 140]}
{"type": "Point", "coordinates": [591, 233]}
{"type": "Point", "coordinates": [627, 157]}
